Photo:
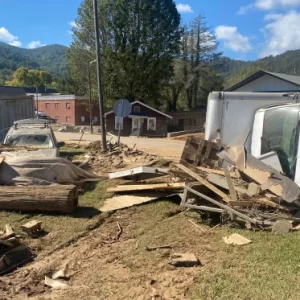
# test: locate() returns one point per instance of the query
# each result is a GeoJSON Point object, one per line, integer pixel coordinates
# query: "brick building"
{"type": "Point", "coordinates": [67, 109]}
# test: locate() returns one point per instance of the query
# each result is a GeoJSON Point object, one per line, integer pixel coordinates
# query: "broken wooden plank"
{"type": "Point", "coordinates": [9, 232]}
{"type": "Point", "coordinates": [125, 201]}
{"type": "Point", "coordinates": [139, 173]}
{"type": "Point", "coordinates": [32, 227]}
{"type": "Point", "coordinates": [232, 192]}
{"type": "Point", "coordinates": [236, 239]}
{"type": "Point", "coordinates": [218, 172]}
{"type": "Point", "coordinates": [147, 187]}
{"type": "Point", "coordinates": [59, 198]}
{"type": "Point", "coordinates": [184, 260]}
{"type": "Point", "coordinates": [225, 197]}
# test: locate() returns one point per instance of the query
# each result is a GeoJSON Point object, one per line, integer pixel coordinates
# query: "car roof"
{"type": "Point", "coordinates": [30, 126]}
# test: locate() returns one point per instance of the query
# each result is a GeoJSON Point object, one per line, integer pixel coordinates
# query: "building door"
{"type": "Point", "coordinates": [136, 127]}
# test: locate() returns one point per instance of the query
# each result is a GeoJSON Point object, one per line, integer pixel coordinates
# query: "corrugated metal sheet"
{"type": "Point", "coordinates": [15, 108]}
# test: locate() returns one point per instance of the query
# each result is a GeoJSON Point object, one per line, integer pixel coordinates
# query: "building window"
{"type": "Point", "coordinates": [68, 119]}
{"type": "Point", "coordinates": [118, 123]}
{"type": "Point", "coordinates": [82, 119]}
{"type": "Point", "coordinates": [136, 109]}
{"type": "Point", "coordinates": [56, 105]}
{"type": "Point", "coordinates": [151, 124]}
{"type": "Point", "coordinates": [47, 105]}
{"type": "Point", "coordinates": [68, 105]}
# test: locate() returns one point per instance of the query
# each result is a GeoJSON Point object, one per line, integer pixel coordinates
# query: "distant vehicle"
{"type": "Point", "coordinates": [33, 133]}
{"type": "Point", "coordinates": [43, 116]}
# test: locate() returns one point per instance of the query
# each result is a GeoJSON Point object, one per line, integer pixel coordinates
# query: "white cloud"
{"type": "Point", "coordinates": [244, 9]}
{"type": "Point", "coordinates": [35, 44]}
{"type": "Point", "coordinates": [233, 40]}
{"type": "Point", "coordinates": [271, 17]}
{"type": "Point", "coordinates": [73, 24]}
{"type": "Point", "coordinates": [282, 34]}
{"type": "Point", "coordinates": [272, 4]}
{"type": "Point", "coordinates": [7, 37]}
{"type": "Point", "coordinates": [16, 43]}
{"type": "Point", "coordinates": [184, 8]}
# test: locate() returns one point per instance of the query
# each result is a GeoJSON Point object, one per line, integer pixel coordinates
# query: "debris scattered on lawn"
{"type": "Point", "coordinates": [154, 248]}
{"type": "Point", "coordinates": [125, 201]}
{"type": "Point", "coordinates": [147, 187]}
{"type": "Point", "coordinates": [61, 274]}
{"type": "Point", "coordinates": [33, 228]}
{"type": "Point", "coordinates": [55, 284]}
{"type": "Point", "coordinates": [184, 260]}
{"type": "Point", "coordinates": [236, 239]}
{"type": "Point", "coordinates": [282, 226]}
{"type": "Point", "coordinates": [118, 157]}
{"type": "Point", "coordinates": [139, 173]}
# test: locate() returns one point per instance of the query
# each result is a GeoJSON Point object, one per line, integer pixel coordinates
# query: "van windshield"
{"type": "Point", "coordinates": [280, 136]}
{"type": "Point", "coordinates": [38, 141]}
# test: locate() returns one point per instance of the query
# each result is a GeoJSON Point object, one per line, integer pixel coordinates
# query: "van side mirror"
{"type": "Point", "coordinates": [60, 144]}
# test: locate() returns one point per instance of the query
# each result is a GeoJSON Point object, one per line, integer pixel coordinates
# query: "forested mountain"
{"type": "Point", "coordinates": [50, 58]}
{"type": "Point", "coordinates": [234, 71]}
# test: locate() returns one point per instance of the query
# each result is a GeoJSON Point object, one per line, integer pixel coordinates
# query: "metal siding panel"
{"type": "Point", "coordinates": [15, 109]}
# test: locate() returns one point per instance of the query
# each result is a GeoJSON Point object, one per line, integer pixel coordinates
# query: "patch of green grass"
{"type": "Point", "coordinates": [64, 228]}
{"type": "Point", "coordinates": [269, 268]}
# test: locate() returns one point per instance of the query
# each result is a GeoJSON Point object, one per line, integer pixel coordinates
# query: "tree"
{"type": "Point", "coordinates": [194, 77]}
{"type": "Point", "coordinates": [199, 48]}
{"type": "Point", "coordinates": [28, 78]}
{"type": "Point", "coordinates": [139, 39]}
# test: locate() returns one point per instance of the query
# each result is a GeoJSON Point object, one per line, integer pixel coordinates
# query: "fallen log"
{"type": "Point", "coordinates": [56, 198]}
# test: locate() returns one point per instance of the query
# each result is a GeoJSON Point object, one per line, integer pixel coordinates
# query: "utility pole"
{"type": "Point", "coordinates": [99, 75]}
{"type": "Point", "coordinates": [90, 94]}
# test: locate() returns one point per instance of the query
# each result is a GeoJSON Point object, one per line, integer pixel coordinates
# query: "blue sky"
{"type": "Point", "coordinates": [246, 29]}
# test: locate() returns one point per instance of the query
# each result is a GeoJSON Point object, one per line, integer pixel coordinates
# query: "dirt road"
{"type": "Point", "coordinates": [169, 149]}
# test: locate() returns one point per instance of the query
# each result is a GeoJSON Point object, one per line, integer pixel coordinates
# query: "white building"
{"type": "Point", "coordinates": [264, 81]}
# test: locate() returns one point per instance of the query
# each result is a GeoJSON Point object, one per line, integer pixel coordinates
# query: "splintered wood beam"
{"type": "Point", "coordinates": [218, 172]}
{"type": "Point", "coordinates": [232, 191]}
{"type": "Point", "coordinates": [146, 187]}
{"type": "Point", "coordinates": [225, 197]}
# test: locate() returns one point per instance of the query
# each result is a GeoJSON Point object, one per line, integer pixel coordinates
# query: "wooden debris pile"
{"type": "Point", "coordinates": [236, 186]}
{"type": "Point", "coordinates": [117, 157]}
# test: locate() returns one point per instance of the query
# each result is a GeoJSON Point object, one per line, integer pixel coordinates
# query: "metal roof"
{"type": "Point", "coordinates": [288, 78]}
{"type": "Point", "coordinates": [10, 91]}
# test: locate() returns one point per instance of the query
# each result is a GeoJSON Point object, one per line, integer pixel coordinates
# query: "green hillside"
{"type": "Point", "coordinates": [234, 71]}
{"type": "Point", "coordinates": [50, 58]}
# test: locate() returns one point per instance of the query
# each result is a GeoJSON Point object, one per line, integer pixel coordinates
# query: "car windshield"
{"type": "Point", "coordinates": [38, 141]}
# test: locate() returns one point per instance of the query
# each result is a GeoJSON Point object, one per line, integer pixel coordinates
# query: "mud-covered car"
{"type": "Point", "coordinates": [33, 133]}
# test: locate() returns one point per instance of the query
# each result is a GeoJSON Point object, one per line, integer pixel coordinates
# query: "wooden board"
{"type": "Point", "coordinates": [2, 159]}
{"type": "Point", "coordinates": [125, 201]}
{"type": "Point", "coordinates": [225, 197]}
{"type": "Point", "coordinates": [232, 191]}
{"type": "Point", "coordinates": [218, 172]}
{"type": "Point", "coordinates": [145, 187]}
